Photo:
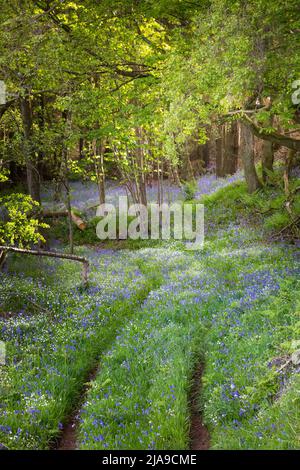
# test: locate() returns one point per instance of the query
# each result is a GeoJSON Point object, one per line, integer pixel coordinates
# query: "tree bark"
{"type": "Point", "coordinates": [247, 156]}
{"type": "Point", "coordinates": [187, 172]}
{"type": "Point", "coordinates": [230, 149]}
{"type": "Point", "coordinates": [286, 175]}
{"type": "Point", "coordinates": [219, 156]}
{"type": "Point", "coordinates": [81, 147]}
{"type": "Point", "coordinates": [2, 258]}
{"type": "Point", "coordinates": [274, 137]}
{"type": "Point", "coordinates": [141, 182]}
{"type": "Point", "coordinates": [33, 177]}
{"type": "Point", "coordinates": [267, 158]}
{"type": "Point", "coordinates": [99, 149]}
{"type": "Point", "coordinates": [66, 117]}
{"type": "Point", "coordinates": [69, 209]}
{"type": "Point", "coordinates": [206, 154]}
{"type": "Point", "coordinates": [227, 150]}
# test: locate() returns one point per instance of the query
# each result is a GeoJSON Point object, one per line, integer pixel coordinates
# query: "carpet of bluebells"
{"type": "Point", "coordinates": [147, 319]}
{"type": "Point", "coordinates": [54, 332]}
{"type": "Point", "coordinates": [214, 307]}
{"type": "Point", "coordinates": [85, 196]}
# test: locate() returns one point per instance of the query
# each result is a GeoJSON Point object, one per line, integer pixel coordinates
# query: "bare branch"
{"type": "Point", "coordinates": [51, 254]}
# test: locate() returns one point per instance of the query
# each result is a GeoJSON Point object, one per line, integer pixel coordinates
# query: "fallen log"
{"type": "Point", "coordinates": [75, 218]}
{"type": "Point", "coordinates": [78, 221]}
{"type": "Point", "coordinates": [51, 254]}
{"type": "Point", "coordinates": [2, 258]}
{"type": "Point", "coordinates": [52, 214]}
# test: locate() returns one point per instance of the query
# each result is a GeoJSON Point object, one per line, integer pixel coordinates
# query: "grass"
{"type": "Point", "coordinates": [245, 381]}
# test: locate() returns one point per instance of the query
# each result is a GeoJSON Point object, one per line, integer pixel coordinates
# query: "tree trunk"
{"type": "Point", "coordinates": [187, 172]}
{"type": "Point", "coordinates": [267, 159]}
{"type": "Point", "coordinates": [219, 154]}
{"type": "Point", "coordinates": [66, 117]}
{"type": "Point", "coordinates": [158, 183]}
{"type": "Point", "coordinates": [81, 148]}
{"type": "Point", "coordinates": [230, 149]}
{"type": "Point", "coordinates": [175, 174]}
{"type": "Point", "coordinates": [206, 154]}
{"type": "Point", "coordinates": [99, 167]}
{"type": "Point", "coordinates": [227, 150]}
{"type": "Point", "coordinates": [33, 177]}
{"type": "Point", "coordinates": [286, 175]}
{"type": "Point", "coordinates": [141, 182]}
{"type": "Point", "coordinates": [247, 157]}
{"type": "Point", "coordinates": [69, 209]}
{"type": "Point", "coordinates": [2, 258]}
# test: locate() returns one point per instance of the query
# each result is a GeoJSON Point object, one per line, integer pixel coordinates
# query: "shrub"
{"type": "Point", "coordinates": [17, 224]}
{"type": "Point", "coordinates": [189, 190]}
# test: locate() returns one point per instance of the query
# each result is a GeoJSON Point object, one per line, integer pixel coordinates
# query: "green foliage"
{"type": "Point", "coordinates": [270, 207]}
{"type": "Point", "coordinates": [277, 221]}
{"type": "Point", "coordinates": [21, 228]}
{"type": "Point", "coordinates": [189, 190]}
{"type": "Point", "coordinates": [4, 175]}
{"type": "Point", "coordinates": [271, 382]}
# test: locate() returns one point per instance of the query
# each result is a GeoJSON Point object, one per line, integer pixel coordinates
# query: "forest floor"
{"type": "Point", "coordinates": [147, 322]}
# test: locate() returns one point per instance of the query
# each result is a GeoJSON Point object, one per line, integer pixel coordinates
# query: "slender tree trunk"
{"type": "Point", "coordinates": [69, 209]}
{"type": "Point", "coordinates": [33, 177]}
{"type": "Point", "coordinates": [162, 182]}
{"type": "Point", "coordinates": [247, 156]}
{"type": "Point", "coordinates": [230, 149]}
{"type": "Point", "coordinates": [219, 154]}
{"type": "Point", "coordinates": [267, 160]}
{"type": "Point", "coordinates": [3, 254]}
{"type": "Point", "coordinates": [286, 175]}
{"type": "Point", "coordinates": [158, 183]}
{"type": "Point", "coordinates": [212, 146]}
{"type": "Point", "coordinates": [176, 175]}
{"type": "Point", "coordinates": [99, 149]}
{"type": "Point", "coordinates": [267, 157]}
{"type": "Point", "coordinates": [66, 117]}
{"type": "Point", "coordinates": [141, 182]}
{"type": "Point", "coordinates": [102, 180]}
{"type": "Point", "coordinates": [81, 147]}
{"type": "Point", "coordinates": [187, 169]}
{"type": "Point", "coordinates": [206, 154]}
{"type": "Point", "coordinates": [41, 123]}
{"type": "Point", "coordinates": [127, 178]}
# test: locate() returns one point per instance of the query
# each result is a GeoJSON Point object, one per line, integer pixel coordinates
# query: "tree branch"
{"type": "Point", "coordinates": [274, 137]}
{"type": "Point", "coordinates": [51, 254]}
{"type": "Point", "coordinates": [6, 106]}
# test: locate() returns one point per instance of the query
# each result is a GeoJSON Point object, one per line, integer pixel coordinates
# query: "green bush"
{"type": "Point", "coordinates": [189, 190]}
